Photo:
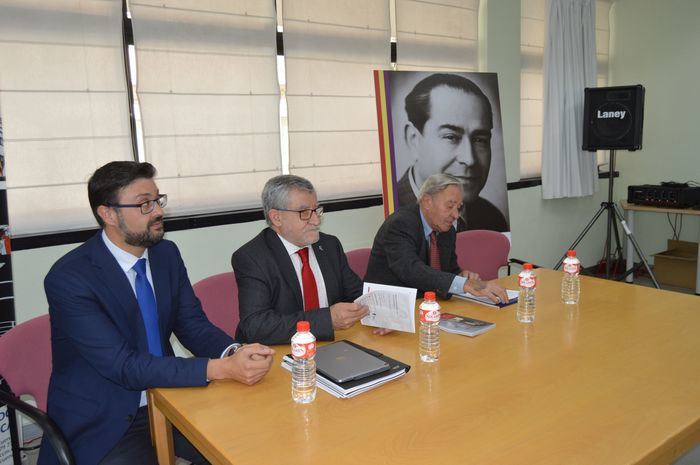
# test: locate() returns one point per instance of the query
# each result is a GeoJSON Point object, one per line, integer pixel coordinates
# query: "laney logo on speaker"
{"type": "Point", "coordinates": [611, 114]}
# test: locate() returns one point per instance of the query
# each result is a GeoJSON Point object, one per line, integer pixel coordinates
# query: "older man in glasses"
{"type": "Point", "coordinates": [291, 271]}
{"type": "Point", "coordinates": [114, 302]}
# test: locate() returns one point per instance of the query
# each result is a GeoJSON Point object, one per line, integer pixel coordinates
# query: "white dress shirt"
{"type": "Point", "coordinates": [296, 262]}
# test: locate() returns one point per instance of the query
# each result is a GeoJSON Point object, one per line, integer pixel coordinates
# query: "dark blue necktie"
{"type": "Point", "coordinates": [147, 304]}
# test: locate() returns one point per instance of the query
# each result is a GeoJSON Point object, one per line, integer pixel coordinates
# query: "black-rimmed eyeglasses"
{"type": "Point", "coordinates": [146, 207]}
{"type": "Point", "coordinates": [305, 215]}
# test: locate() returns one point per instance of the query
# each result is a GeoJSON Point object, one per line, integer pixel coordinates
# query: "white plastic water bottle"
{"type": "Point", "coordinates": [304, 366]}
{"type": "Point", "coordinates": [570, 281]}
{"type": "Point", "coordinates": [429, 345]}
{"type": "Point", "coordinates": [526, 300]}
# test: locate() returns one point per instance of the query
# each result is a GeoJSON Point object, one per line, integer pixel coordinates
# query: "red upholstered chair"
{"type": "Point", "coordinates": [25, 365]}
{"type": "Point", "coordinates": [482, 251]}
{"type": "Point", "coordinates": [219, 297]}
{"type": "Point", "coordinates": [358, 260]}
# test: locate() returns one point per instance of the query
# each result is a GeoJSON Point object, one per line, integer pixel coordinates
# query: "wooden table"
{"type": "Point", "coordinates": [630, 208]}
{"type": "Point", "coordinates": [613, 380]}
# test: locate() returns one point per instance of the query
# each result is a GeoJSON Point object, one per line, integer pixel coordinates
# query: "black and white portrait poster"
{"type": "Point", "coordinates": [445, 122]}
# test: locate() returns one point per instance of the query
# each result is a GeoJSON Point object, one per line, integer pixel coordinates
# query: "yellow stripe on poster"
{"type": "Point", "coordinates": [386, 146]}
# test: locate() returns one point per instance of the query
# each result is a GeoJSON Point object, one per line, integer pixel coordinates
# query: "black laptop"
{"type": "Point", "coordinates": [341, 362]}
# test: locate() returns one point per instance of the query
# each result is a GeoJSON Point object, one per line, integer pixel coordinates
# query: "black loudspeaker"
{"type": "Point", "coordinates": [613, 117]}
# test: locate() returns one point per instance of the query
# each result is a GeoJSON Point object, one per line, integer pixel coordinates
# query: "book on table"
{"type": "Point", "coordinates": [345, 369]}
{"type": "Point", "coordinates": [512, 298]}
{"type": "Point", "coordinates": [464, 325]}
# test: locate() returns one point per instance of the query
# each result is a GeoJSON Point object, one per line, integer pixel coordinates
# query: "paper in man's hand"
{"type": "Point", "coordinates": [390, 307]}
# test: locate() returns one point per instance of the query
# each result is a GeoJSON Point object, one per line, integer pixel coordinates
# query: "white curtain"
{"type": "Point", "coordinates": [569, 67]}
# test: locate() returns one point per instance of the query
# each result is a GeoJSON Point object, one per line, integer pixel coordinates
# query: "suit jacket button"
{"type": "Point", "coordinates": [129, 418]}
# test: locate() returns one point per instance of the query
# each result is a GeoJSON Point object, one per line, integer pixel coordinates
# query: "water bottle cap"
{"type": "Point", "coordinates": [429, 295]}
{"type": "Point", "coordinates": [527, 266]}
{"type": "Point", "coordinates": [571, 253]}
{"type": "Point", "coordinates": [303, 326]}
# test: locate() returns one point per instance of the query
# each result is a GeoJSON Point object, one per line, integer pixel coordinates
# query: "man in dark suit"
{"type": "Point", "coordinates": [415, 247]}
{"type": "Point", "coordinates": [292, 272]}
{"type": "Point", "coordinates": [449, 131]}
{"type": "Point", "coordinates": [114, 302]}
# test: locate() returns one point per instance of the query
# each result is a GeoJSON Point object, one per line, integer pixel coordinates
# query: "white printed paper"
{"type": "Point", "coordinates": [390, 307]}
{"type": "Point", "coordinates": [5, 444]}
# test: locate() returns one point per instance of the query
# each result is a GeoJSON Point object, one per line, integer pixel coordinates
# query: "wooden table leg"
{"type": "Point", "coordinates": [161, 433]}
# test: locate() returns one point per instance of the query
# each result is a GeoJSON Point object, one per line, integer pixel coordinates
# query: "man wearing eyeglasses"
{"type": "Point", "coordinates": [114, 303]}
{"type": "Point", "coordinates": [291, 271]}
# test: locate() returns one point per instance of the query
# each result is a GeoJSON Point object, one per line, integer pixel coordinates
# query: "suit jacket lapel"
{"type": "Point", "coordinates": [284, 264]}
{"type": "Point", "coordinates": [330, 279]}
{"type": "Point", "coordinates": [423, 252]}
{"type": "Point", "coordinates": [115, 282]}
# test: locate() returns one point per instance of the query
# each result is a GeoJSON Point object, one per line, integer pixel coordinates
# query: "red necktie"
{"type": "Point", "coordinates": [434, 252]}
{"type": "Point", "coordinates": [308, 281]}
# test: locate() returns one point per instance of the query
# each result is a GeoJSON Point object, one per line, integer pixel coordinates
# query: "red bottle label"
{"type": "Point", "coordinates": [304, 350]}
{"type": "Point", "coordinates": [527, 281]}
{"type": "Point", "coordinates": [430, 316]}
{"type": "Point", "coordinates": [571, 268]}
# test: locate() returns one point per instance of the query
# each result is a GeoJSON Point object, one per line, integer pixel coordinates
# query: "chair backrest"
{"type": "Point", "coordinates": [482, 251]}
{"type": "Point", "coordinates": [25, 359]}
{"type": "Point", "coordinates": [358, 260]}
{"type": "Point", "coordinates": [219, 297]}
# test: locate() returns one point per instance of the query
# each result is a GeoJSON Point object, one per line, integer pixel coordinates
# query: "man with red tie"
{"type": "Point", "coordinates": [415, 247]}
{"type": "Point", "coordinates": [291, 271]}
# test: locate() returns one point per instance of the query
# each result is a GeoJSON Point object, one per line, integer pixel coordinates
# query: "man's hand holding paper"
{"type": "Point", "coordinates": [390, 307]}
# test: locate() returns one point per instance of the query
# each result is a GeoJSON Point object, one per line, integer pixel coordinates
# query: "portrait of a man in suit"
{"type": "Point", "coordinates": [447, 123]}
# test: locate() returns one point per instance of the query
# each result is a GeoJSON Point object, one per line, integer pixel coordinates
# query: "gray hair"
{"type": "Point", "coordinates": [438, 183]}
{"type": "Point", "coordinates": [275, 194]}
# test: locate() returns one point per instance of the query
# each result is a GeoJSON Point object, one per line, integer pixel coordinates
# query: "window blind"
{"type": "Point", "coordinates": [331, 48]}
{"type": "Point", "coordinates": [64, 107]}
{"type": "Point", "coordinates": [209, 100]}
{"type": "Point", "coordinates": [437, 35]}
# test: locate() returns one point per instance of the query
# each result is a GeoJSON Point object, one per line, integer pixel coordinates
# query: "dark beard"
{"type": "Point", "coordinates": [142, 239]}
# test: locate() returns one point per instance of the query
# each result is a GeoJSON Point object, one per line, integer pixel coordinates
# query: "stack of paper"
{"type": "Point", "coordinates": [512, 298]}
{"type": "Point", "coordinates": [390, 307]}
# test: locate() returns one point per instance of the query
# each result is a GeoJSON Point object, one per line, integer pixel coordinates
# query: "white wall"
{"type": "Point", "coordinates": [656, 44]}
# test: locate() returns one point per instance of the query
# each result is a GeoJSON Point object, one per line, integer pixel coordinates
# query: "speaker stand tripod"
{"type": "Point", "coordinates": [613, 213]}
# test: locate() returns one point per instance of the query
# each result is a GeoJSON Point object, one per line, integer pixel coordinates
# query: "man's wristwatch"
{"type": "Point", "coordinates": [234, 348]}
